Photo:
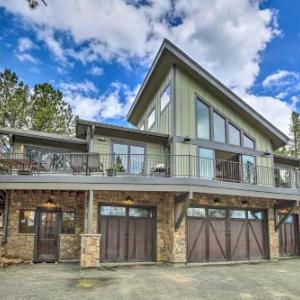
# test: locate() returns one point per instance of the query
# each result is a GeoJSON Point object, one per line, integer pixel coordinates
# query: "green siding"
{"type": "Point", "coordinates": [162, 119]}
{"type": "Point", "coordinates": [186, 91]}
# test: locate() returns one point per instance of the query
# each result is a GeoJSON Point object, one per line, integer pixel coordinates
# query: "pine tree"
{"type": "Point", "coordinates": [295, 133]}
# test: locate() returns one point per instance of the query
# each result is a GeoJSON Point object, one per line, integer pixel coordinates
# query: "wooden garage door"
{"type": "Point", "coordinates": [223, 234]}
{"type": "Point", "coordinates": [127, 233]}
{"type": "Point", "coordinates": [289, 237]}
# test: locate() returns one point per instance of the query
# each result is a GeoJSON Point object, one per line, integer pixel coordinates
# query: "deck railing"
{"type": "Point", "coordinates": [147, 165]}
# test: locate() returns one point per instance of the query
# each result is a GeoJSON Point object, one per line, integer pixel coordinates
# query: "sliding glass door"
{"type": "Point", "coordinates": [206, 163]}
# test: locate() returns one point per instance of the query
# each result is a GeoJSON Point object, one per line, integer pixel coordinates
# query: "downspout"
{"type": "Point", "coordinates": [5, 223]}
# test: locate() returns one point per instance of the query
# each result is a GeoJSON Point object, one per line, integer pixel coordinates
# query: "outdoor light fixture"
{"type": "Point", "coordinates": [245, 202]}
{"type": "Point", "coordinates": [217, 200]}
{"type": "Point", "coordinates": [49, 203]}
{"type": "Point", "coordinates": [187, 139]}
{"type": "Point", "coordinates": [267, 153]}
{"type": "Point", "coordinates": [128, 198]}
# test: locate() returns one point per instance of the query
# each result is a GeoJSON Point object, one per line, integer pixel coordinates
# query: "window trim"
{"type": "Point", "coordinates": [168, 86]}
{"type": "Point", "coordinates": [152, 111]}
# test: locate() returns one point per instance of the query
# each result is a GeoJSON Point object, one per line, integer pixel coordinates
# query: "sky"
{"type": "Point", "coordinates": [97, 52]}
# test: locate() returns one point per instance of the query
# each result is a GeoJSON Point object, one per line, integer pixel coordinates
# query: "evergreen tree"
{"type": "Point", "coordinates": [295, 133]}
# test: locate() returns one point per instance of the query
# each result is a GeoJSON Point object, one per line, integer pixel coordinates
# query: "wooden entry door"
{"type": "Point", "coordinates": [127, 233]}
{"type": "Point", "coordinates": [46, 239]}
{"type": "Point", "coordinates": [289, 237]}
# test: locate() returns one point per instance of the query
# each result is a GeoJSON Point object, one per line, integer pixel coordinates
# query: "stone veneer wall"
{"type": "Point", "coordinates": [164, 215]}
{"type": "Point", "coordinates": [90, 250]}
{"type": "Point", "coordinates": [22, 245]}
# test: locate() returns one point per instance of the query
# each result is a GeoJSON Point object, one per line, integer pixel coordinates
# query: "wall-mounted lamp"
{"type": "Point", "coordinates": [217, 201]}
{"type": "Point", "coordinates": [187, 139]}
{"type": "Point", "coordinates": [245, 202]}
{"type": "Point", "coordinates": [128, 198]}
{"type": "Point", "coordinates": [50, 203]}
{"type": "Point", "coordinates": [267, 153]}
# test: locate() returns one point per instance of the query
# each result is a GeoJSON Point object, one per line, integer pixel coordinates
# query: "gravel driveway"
{"type": "Point", "coordinates": [275, 280]}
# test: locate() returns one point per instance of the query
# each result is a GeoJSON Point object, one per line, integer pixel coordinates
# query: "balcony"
{"type": "Point", "coordinates": [124, 165]}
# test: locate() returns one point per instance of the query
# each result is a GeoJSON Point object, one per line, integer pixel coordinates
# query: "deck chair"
{"type": "Point", "coordinates": [78, 163]}
{"type": "Point", "coordinates": [93, 163]}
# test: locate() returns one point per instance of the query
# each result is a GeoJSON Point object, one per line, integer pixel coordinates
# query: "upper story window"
{"type": "Point", "coordinates": [142, 127]}
{"type": "Point", "coordinates": [151, 119]}
{"type": "Point", "coordinates": [219, 128]}
{"type": "Point", "coordinates": [234, 135]}
{"type": "Point", "coordinates": [165, 98]}
{"type": "Point", "coordinates": [203, 125]}
{"type": "Point", "coordinates": [248, 142]}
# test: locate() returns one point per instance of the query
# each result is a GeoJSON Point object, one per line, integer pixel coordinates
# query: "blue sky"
{"type": "Point", "coordinates": [97, 52]}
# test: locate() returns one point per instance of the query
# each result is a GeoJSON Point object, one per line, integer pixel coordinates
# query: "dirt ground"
{"type": "Point", "coordinates": [273, 280]}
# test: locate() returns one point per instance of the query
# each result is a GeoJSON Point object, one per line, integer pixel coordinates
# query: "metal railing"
{"type": "Point", "coordinates": [147, 165]}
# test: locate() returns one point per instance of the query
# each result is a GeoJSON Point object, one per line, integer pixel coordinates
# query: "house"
{"type": "Point", "coordinates": [196, 180]}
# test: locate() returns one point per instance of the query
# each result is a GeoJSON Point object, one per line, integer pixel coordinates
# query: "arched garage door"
{"type": "Point", "coordinates": [224, 234]}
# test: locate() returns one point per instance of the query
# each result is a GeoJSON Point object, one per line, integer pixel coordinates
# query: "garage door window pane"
{"type": "Point", "coordinates": [217, 213]}
{"type": "Point", "coordinates": [255, 215]}
{"type": "Point", "coordinates": [196, 212]}
{"type": "Point", "coordinates": [237, 214]}
{"type": "Point", "coordinates": [113, 211]}
{"type": "Point", "coordinates": [140, 212]}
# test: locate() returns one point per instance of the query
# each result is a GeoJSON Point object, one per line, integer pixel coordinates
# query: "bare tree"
{"type": "Point", "coordinates": [34, 3]}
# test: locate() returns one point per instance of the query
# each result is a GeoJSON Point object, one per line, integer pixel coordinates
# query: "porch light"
{"type": "Point", "coordinates": [217, 201]}
{"type": "Point", "coordinates": [128, 199]}
{"type": "Point", "coordinates": [267, 153]}
{"type": "Point", "coordinates": [50, 203]}
{"type": "Point", "coordinates": [187, 139]}
{"type": "Point", "coordinates": [245, 202]}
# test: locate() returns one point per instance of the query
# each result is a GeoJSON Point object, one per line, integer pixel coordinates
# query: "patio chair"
{"type": "Point", "coordinates": [78, 163]}
{"type": "Point", "coordinates": [93, 163]}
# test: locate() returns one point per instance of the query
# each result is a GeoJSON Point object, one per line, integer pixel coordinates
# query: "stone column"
{"type": "Point", "coordinates": [90, 250]}
{"type": "Point", "coordinates": [273, 235]}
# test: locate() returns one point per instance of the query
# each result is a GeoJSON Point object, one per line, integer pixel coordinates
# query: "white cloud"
{"type": "Point", "coordinates": [97, 71]}
{"type": "Point", "coordinates": [113, 104]}
{"type": "Point", "coordinates": [25, 57]}
{"type": "Point", "coordinates": [211, 31]}
{"type": "Point", "coordinates": [279, 78]}
{"type": "Point", "coordinates": [25, 44]}
{"type": "Point", "coordinates": [82, 87]}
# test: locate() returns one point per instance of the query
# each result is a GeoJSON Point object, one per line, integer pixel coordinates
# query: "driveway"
{"type": "Point", "coordinates": [276, 280]}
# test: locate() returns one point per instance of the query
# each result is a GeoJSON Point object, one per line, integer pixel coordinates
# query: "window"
{"type": "Point", "coordinates": [217, 213]}
{"type": "Point", "coordinates": [249, 170]}
{"type": "Point", "coordinates": [128, 158]}
{"type": "Point", "coordinates": [1, 219]}
{"type": "Point", "coordinates": [238, 214]}
{"type": "Point", "coordinates": [255, 215]}
{"type": "Point", "coordinates": [234, 135]}
{"type": "Point", "coordinates": [140, 212]}
{"type": "Point", "coordinates": [68, 223]}
{"type": "Point", "coordinates": [142, 127]}
{"type": "Point", "coordinates": [248, 142]}
{"type": "Point", "coordinates": [151, 119]}
{"type": "Point", "coordinates": [206, 163]}
{"type": "Point", "coordinates": [120, 154]}
{"type": "Point", "coordinates": [203, 126]}
{"type": "Point", "coordinates": [196, 212]}
{"type": "Point", "coordinates": [113, 211]}
{"type": "Point", "coordinates": [219, 128]}
{"type": "Point", "coordinates": [165, 98]}
{"type": "Point", "coordinates": [26, 221]}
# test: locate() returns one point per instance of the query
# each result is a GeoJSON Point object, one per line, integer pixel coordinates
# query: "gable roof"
{"type": "Point", "coordinates": [169, 55]}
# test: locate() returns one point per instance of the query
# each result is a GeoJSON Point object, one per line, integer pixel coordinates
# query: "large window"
{"type": "Point", "coordinates": [219, 128]}
{"type": "Point", "coordinates": [234, 135]}
{"type": "Point", "coordinates": [128, 158]}
{"type": "Point", "coordinates": [249, 170]}
{"type": "Point", "coordinates": [26, 221]}
{"type": "Point", "coordinates": [206, 163]}
{"type": "Point", "coordinates": [165, 98]}
{"type": "Point", "coordinates": [248, 142]}
{"type": "Point", "coordinates": [68, 223]}
{"type": "Point", "coordinates": [151, 119]}
{"type": "Point", "coordinates": [203, 125]}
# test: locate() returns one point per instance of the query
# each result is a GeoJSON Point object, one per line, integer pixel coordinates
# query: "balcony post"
{"type": "Point", "coordinates": [90, 212]}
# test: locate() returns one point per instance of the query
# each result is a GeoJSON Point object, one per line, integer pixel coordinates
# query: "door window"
{"type": "Point", "coordinates": [206, 163]}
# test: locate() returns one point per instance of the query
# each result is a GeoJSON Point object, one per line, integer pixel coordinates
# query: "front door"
{"type": "Point", "coordinates": [127, 233]}
{"type": "Point", "coordinates": [289, 237]}
{"type": "Point", "coordinates": [46, 239]}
